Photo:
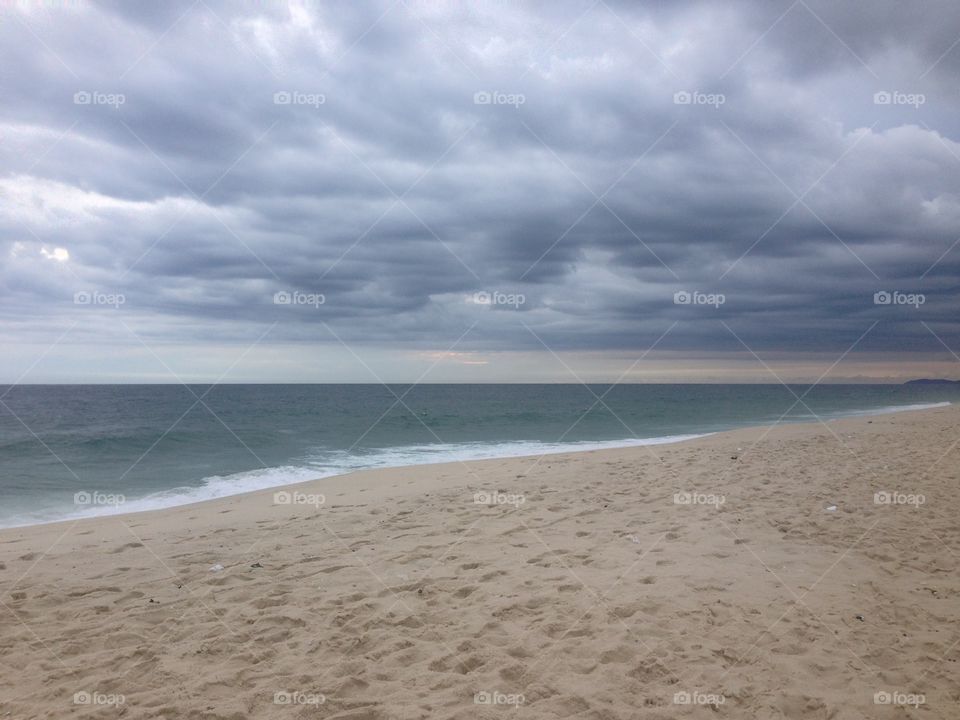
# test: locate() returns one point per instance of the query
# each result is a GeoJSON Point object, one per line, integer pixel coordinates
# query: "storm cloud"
{"type": "Point", "coordinates": [582, 177]}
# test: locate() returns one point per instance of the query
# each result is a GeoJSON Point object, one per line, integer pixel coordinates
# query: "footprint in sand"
{"type": "Point", "coordinates": [129, 545]}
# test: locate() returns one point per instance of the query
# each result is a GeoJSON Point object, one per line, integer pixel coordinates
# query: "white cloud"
{"type": "Point", "coordinates": [58, 254]}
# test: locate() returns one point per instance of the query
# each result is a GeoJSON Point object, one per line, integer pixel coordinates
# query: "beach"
{"type": "Point", "coordinates": [794, 571]}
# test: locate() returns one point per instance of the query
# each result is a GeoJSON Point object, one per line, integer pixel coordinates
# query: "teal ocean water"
{"type": "Point", "coordinates": [76, 450]}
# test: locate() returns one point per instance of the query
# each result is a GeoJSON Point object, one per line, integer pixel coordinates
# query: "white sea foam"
{"type": "Point", "coordinates": [895, 409]}
{"type": "Point", "coordinates": [840, 414]}
{"type": "Point", "coordinates": [458, 452]}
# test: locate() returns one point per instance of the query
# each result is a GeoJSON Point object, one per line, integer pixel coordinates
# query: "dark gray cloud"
{"type": "Point", "coordinates": [398, 158]}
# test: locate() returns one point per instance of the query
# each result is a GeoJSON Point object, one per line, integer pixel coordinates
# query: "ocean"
{"type": "Point", "coordinates": [78, 450]}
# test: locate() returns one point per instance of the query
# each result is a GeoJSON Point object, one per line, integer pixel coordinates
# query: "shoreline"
{"type": "Point", "coordinates": [371, 478]}
{"type": "Point", "coordinates": [606, 582]}
{"type": "Point", "coordinates": [609, 445]}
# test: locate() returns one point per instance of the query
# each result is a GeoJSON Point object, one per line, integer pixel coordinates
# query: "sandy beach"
{"type": "Point", "coordinates": [802, 571]}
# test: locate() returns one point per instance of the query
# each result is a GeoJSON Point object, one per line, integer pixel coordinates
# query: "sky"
{"type": "Point", "coordinates": [400, 191]}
